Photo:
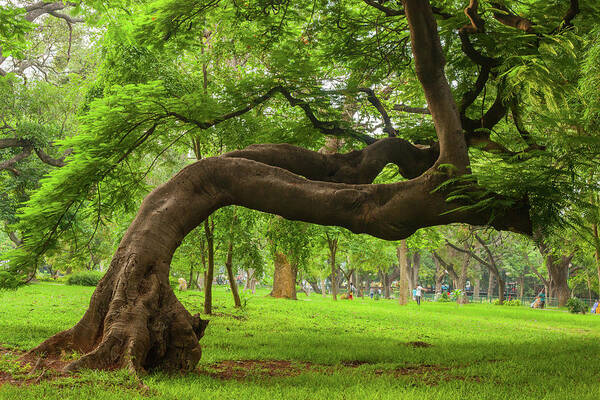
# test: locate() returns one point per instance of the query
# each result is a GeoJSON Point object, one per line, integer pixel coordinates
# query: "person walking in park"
{"type": "Point", "coordinates": [418, 293]}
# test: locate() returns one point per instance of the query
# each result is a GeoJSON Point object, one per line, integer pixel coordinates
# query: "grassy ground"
{"type": "Point", "coordinates": [317, 349]}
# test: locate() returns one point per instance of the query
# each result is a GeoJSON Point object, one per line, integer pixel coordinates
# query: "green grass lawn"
{"type": "Point", "coordinates": [315, 348]}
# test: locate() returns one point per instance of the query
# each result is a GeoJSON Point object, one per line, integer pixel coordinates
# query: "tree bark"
{"type": "Point", "coordinates": [490, 290]}
{"type": "Point", "coordinates": [209, 229]}
{"type": "Point", "coordinates": [332, 243]}
{"type": "Point", "coordinates": [284, 278]}
{"type": "Point", "coordinates": [402, 253]}
{"type": "Point", "coordinates": [439, 276]}
{"type": "Point", "coordinates": [231, 275]}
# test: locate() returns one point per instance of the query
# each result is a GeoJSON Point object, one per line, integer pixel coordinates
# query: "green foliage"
{"type": "Point", "coordinates": [13, 27]}
{"type": "Point", "coordinates": [9, 281]}
{"type": "Point", "coordinates": [85, 278]}
{"type": "Point", "coordinates": [576, 306]}
{"type": "Point", "coordinates": [514, 302]}
{"type": "Point", "coordinates": [444, 298]}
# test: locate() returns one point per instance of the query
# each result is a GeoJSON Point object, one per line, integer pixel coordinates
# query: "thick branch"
{"type": "Point", "coordinates": [475, 56]}
{"type": "Point", "coordinates": [477, 24]}
{"type": "Point", "coordinates": [571, 13]}
{"type": "Point", "coordinates": [361, 166]}
{"type": "Point", "coordinates": [55, 162]}
{"type": "Point", "coordinates": [504, 16]}
{"type": "Point", "coordinates": [9, 164]}
{"type": "Point", "coordinates": [429, 66]}
{"type": "Point", "coordinates": [412, 110]}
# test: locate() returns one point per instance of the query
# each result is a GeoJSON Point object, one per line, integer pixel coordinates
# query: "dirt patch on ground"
{"type": "Point", "coordinates": [243, 369]}
{"type": "Point", "coordinates": [430, 375]}
{"type": "Point", "coordinates": [418, 344]}
{"type": "Point", "coordinates": [17, 367]}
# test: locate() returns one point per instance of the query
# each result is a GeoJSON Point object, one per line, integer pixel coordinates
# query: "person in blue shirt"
{"type": "Point", "coordinates": [542, 297]}
{"type": "Point", "coordinates": [594, 307]}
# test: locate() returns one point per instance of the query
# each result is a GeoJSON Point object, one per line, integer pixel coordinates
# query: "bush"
{"type": "Point", "coordinates": [444, 298]}
{"type": "Point", "coordinates": [9, 281]}
{"type": "Point", "coordinates": [85, 278]}
{"type": "Point", "coordinates": [576, 306]}
{"type": "Point", "coordinates": [514, 302]}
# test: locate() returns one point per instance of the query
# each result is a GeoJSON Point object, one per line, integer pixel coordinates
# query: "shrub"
{"type": "Point", "coordinates": [576, 306]}
{"type": "Point", "coordinates": [85, 278]}
{"type": "Point", "coordinates": [444, 298]}
{"type": "Point", "coordinates": [514, 302]}
{"type": "Point", "coordinates": [9, 281]}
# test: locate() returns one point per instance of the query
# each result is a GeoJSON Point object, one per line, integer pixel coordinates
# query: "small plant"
{"type": "Point", "coordinates": [85, 278]}
{"type": "Point", "coordinates": [377, 296]}
{"type": "Point", "coordinates": [576, 306]}
{"type": "Point", "coordinates": [444, 298]}
{"type": "Point", "coordinates": [245, 296]}
{"type": "Point", "coordinates": [456, 293]}
{"type": "Point", "coordinates": [513, 302]}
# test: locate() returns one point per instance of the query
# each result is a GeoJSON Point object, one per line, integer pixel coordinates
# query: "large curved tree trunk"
{"type": "Point", "coordinates": [134, 318]}
{"type": "Point", "coordinates": [284, 278]}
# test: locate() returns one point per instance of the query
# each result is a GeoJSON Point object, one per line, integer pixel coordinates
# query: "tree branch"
{"type": "Point", "coordinates": [360, 166]}
{"type": "Point", "coordinates": [411, 110]}
{"type": "Point", "coordinates": [332, 128]}
{"type": "Point", "coordinates": [389, 129]}
{"type": "Point", "coordinates": [477, 24]}
{"type": "Point", "coordinates": [504, 16]}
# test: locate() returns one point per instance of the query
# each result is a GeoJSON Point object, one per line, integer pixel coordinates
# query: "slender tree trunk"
{"type": "Point", "coordinates": [597, 254]}
{"type": "Point", "coordinates": [402, 254]}
{"type": "Point", "coordinates": [439, 276]}
{"type": "Point", "coordinates": [332, 252]}
{"type": "Point", "coordinates": [209, 229]}
{"type": "Point", "coordinates": [324, 287]}
{"type": "Point", "coordinates": [284, 278]}
{"type": "Point", "coordinates": [416, 266]}
{"type": "Point", "coordinates": [191, 281]}
{"type": "Point", "coordinates": [231, 275]}
{"type": "Point", "coordinates": [490, 290]}
{"type": "Point", "coordinates": [462, 280]}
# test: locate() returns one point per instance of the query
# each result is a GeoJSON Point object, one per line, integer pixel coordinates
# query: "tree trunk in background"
{"type": "Point", "coordinates": [521, 286]}
{"type": "Point", "coordinates": [333, 243]}
{"type": "Point", "coordinates": [402, 254]}
{"type": "Point", "coordinates": [462, 280]}
{"type": "Point", "coordinates": [231, 276]}
{"type": "Point", "coordinates": [597, 254]}
{"type": "Point", "coordinates": [324, 287]}
{"type": "Point", "coordinates": [558, 268]}
{"type": "Point", "coordinates": [439, 276]}
{"type": "Point", "coordinates": [284, 278]}
{"type": "Point", "coordinates": [476, 289]}
{"type": "Point", "coordinates": [490, 290]}
{"type": "Point", "coordinates": [416, 266]}
{"type": "Point", "coordinates": [191, 281]}
{"type": "Point", "coordinates": [501, 289]}
{"type": "Point", "coordinates": [209, 229]}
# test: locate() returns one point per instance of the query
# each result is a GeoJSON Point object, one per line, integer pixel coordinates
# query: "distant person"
{"type": "Point", "coordinates": [419, 292]}
{"type": "Point", "coordinates": [371, 293]}
{"type": "Point", "coordinates": [594, 308]}
{"type": "Point", "coordinates": [542, 297]}
{"type": "Point", "coordinates": [182, 284]}
{"type": "Point", "coordinates": [414, 293]}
